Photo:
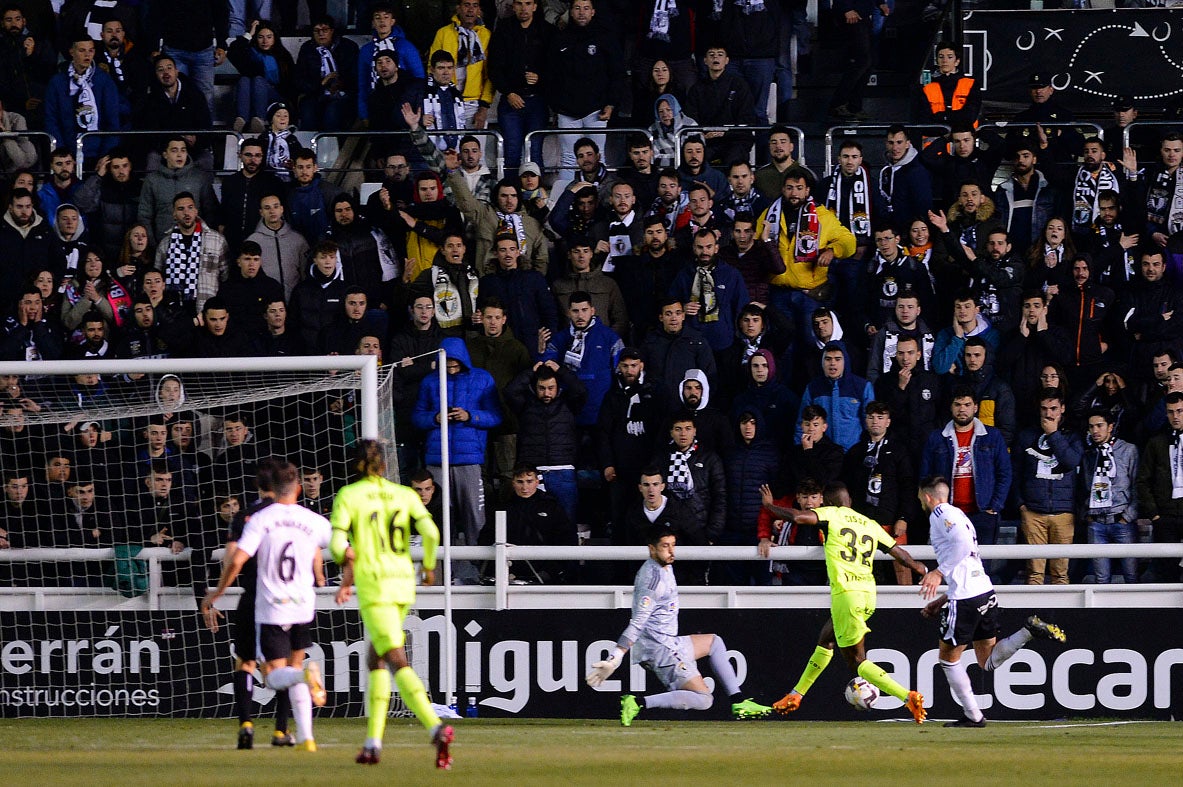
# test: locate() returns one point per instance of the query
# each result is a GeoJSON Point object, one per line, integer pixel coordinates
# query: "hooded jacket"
{"type": "Point", "coordinates": [159, 189]}
{"type": "Point", "coordinates": [285, 254]}
{"type": "Point", "coordinates": [773, 401]}
{"type": "Point", "coordinates": [1123, 503]}
{"type": "Point", "coordinates": [906, 190]}
{"type": "Point", "coordinates": [991, 465]}
{"type": "Point", "coordinates": [1043, 210]}
{"type": "Point", "coordinates": [843, 399]}
{"type": "Point", "coordinates": [949, 348]}
{"type": "Point", "coordinates": [667, 139]}
{"type": "Point", "coordinates": [883, 345]}
{"type": "Point", "coordinates": [358, 249]}
{"type": "Point", "coordinates": [471, 389]}
{"type": "Point", "coordinates": [309, 207]}
{"type": "Point", "coordinates": [1084, 312]}
{"type": "Point", "coordinates": [714, 432]}
{"type": "Point", "coordinates": [747, 466]}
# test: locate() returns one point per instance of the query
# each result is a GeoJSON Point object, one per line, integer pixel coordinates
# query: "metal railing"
{"type": "Point", "coordinates": [230, 163]}
{"type": "Point", "coordinates": [1175, 125]}
{"type": "Point", "coordinates": [326, 145]}
{"type": "Point", "coordinates": [857, 130]}
{"type": "Point", "coordinates": [795, 133]}
{"type": "Point", "coordinates": [609, 135]}
{"type": "Point", "coordinates": [49, 144]}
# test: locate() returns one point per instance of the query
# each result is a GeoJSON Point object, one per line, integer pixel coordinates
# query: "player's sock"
{"type": "Point", "coordinates": [962, 690]}
{"type": "Point", "coordinates": [377, 706]}
{"type": "Point", "coordinates": [283, 709]}
{"type": "Point", "coordinates": [817, 664]}
{"type": "Point", "coordinates": [681, 699]}
{"type": "Point", "coordinates": [281, 678]}
{"type": "Point", "coordinates": [721, 666]}
{"type": "Point", "coordinates": [1004, 649]}
{"type": "Point", "coordinates": [244, 685]}
{"type": "Point", "coordinates": [874, 674]}
{"type": "Point", "coordinates": [410, 688]}
{"type": "Point", "coordinates": [301, 699]}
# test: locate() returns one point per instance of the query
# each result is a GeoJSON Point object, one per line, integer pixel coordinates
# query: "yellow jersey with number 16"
{"type": "Point", "coordinates": [374, 516]}
{"type": "Point", "coordinates": [851, 540]}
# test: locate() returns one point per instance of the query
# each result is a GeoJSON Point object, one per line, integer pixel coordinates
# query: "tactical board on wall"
{"type": "Point", "coordinates": [1092, 56]}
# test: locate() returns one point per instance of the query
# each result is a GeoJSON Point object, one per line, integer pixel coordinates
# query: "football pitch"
{"type": "Point", "coordinates": [503, 751]}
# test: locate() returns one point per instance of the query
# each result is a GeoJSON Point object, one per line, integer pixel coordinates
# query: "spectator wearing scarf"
{"type": "Point", "coordinates": [466, 39]}
{"type": "Point", "coordinates": [80, 99]}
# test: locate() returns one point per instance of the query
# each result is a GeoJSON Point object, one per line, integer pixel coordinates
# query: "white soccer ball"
{"type": "Point", "coordinates": [861, 694]}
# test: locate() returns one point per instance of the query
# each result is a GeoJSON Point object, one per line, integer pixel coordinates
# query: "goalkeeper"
{"type": "Point", "coordinates": [371, 541]}
{"type": "Point", "coordinates": [652, 634]}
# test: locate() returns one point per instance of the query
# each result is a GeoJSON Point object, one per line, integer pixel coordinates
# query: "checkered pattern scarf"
{"type": "Point", "coordinates": [183, 265]}
{"type": "Point", "coordinates": [679, 477]}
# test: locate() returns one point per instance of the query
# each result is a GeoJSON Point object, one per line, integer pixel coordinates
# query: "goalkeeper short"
{"type": "Point", "coordinates": [673, 666]}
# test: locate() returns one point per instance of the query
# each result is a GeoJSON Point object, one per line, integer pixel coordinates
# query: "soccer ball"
{"type": "Point", "coordinates": [861, 694]}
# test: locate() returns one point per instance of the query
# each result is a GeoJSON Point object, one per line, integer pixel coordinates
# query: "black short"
{"type": "Point", "coordinates": [278, 642]}
{"type": "Point", "coordinates": [242, 631]}
{"type": "Point", "coordinates": [970, 619]}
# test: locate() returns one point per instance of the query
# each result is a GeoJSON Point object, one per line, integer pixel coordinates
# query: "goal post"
{"type": "Point", "coordinates": [98, 593]}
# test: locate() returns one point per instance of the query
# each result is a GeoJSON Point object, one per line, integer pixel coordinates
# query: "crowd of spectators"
{"type": "Point", "coordinates": [624, 344]}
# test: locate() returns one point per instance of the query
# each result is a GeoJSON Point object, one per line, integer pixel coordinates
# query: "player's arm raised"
{"type": "Point", "coordinates": [788, 514]}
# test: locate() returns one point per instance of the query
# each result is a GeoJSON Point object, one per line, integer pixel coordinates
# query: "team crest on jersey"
{"type": "Point", "coordinates": [646, 602]}
{"type": "Point", "coordinates": [591, 49]}
{"type": "Point", "coordinates": [875, 484]}
{"type": "Point", "coordinates": [890, 288]}
{"type": "Point", "coordinates": [926, 394]}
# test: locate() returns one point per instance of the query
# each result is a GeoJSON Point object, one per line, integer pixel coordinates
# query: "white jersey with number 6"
{"type": "Point", "coordinates": [284, 539]}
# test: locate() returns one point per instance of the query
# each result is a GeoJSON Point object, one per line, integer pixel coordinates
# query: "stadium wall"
{"type": "Point", "coordinates": [1118, 663]}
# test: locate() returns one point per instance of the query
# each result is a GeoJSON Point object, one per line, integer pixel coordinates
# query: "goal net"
{"type": "Point", "coordinates": [119, 483]}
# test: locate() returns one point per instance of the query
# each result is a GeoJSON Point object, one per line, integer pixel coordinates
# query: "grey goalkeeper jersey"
{"type": "Point", "coordinates": [653, 628]}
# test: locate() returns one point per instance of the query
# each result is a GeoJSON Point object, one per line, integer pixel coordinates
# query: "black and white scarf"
{"type": "Point", "coordinates": [328, 65]}
{"type": "Point", "coordinates": [512, 222]}
{"type": "Point", "coordinates": [620, 242]}
{"type": "Point", "coordinates": [856, 205]}
{"type": "Point", "coordinates": [468, 52]}
{"type": "Point", "coordinates": [750, 346]}
{"type": "Point", "coordinates": [670, 213]}
{"type": "Point", "coordinates": [735, 204]}
{"type": "Point", "coordinates": [600, 175]}
{"type": "Point", "coordinates": [573, 358]}
{"type": "Point", "coordinates": [748, 7]}
{"type": "Point", "coordinates": [1085, 192]}
{"type": "Point", "coordinates": [278, 153]}
{"type": "Point", "coordinates": [381, 45]}
{"type": "Point", "coordinates": [702, 291]}
{"type": "Point", "coordinates": [449, 303]}
{"type": "Point", "coordinates": [86, 106]}
{"type": "Point", "coordinates": [446, 104]}
{"type": "Point", "coordinates": [679, 478]}
{"type": "Point", "coordinates": [659, 23]}
{"type": "Point", "coordinates": [1105, 463]}
{"type": "Point", "coordinates": [115, 62]}
{"type": "Point", "coordinates": [1164, 200]}
{"type": "Point", "coordinates": [183, 264]}
{"type": "Point", "coordinates": [1110, 237]}
{"type": "Point", "coordinates": [1048, 467]}
{"type": "Point", "coordinates": [1177, 465]}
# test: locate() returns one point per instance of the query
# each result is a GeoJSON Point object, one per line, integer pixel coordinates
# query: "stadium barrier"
{"type": "Point", "coordinates": [795, 133]}
{"type": "Point", "coordinates": [863, 130]}
{"type": "Point", "coordinates": [43, 142]}
{"type": "Point", "coordinates": [328, 146]}
{"type": "Point", "coordinates": [1157, 127]}
{"type": "Point", "coordinates": [615, 140]}
{"type": "Point", "coordinates": [229, 153]}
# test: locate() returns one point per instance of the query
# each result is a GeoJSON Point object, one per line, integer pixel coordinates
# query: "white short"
{"type": "Point", "coordinates": [673, 666]}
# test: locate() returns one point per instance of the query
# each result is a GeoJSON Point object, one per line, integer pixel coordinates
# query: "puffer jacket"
{"type": "Point", "coordinates": [315, 303]}
{"type": "Point", "coordinates": [110, 209]}
{"type": "Point", "coordinates": [1056, 492]}
{"type": "Point", "coordinates": [159, 189]}
{"type": "Point", "coordinates": [747, 467]}
{"type": "Point", "coordinates": [547, 434]}
{"type": "Point", "coordinates": [471, 389]}
{"type": "Point", "coordinates": [842, 399]}
{"type": "Point", "coordinates": [707, 502]}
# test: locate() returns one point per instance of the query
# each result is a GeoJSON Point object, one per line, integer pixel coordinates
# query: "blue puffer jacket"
{"type": "Point", "coordinates": [992, 469]}
{"type": "Point", "coordinates": [597, 367]}
{"type": "Point", "coordinates": [473, 390]}
{"type": "Point", "coordinates": [748, 466]}
{"type": "Point", "coordinates": [842, 399]}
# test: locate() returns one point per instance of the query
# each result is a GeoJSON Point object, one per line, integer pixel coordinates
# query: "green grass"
{"type": "Point", "coordinates": [199, 752]}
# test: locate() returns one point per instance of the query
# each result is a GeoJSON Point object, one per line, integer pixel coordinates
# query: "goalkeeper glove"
{"type": "Point", "coordinates": [602, 670]}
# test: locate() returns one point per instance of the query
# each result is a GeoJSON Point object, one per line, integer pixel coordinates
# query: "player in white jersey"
{"type": "Point", "coordinates": [285, 539]}
{"type": "Point", "coordinates": [970, 609]}
{"type": "Point", "coordinates": [652, 635]}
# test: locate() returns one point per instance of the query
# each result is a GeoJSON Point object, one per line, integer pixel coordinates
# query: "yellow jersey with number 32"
{"type": "Point", "coordinates": [374, 516]}
{"type": "Point", "coordinates": [851, 540]}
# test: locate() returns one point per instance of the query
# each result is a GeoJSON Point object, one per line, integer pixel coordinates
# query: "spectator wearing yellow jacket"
{"type": "Point", "coordinates": [467, 40]}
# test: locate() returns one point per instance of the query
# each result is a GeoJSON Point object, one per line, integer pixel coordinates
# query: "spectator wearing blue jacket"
{"type": "Point", "coordinates": [530, 305]}
{"type": "Point", "coordinates": [973, 457]}
{"type": "Point", "coordinates": [387, 36]}
{"type": "Point", "coordinates": [753, 461]}
{"type": "Point", "coordinates": [1046, 462]}
{"type": "Point", "coordinates": [310, 198]}
{"type": "Point", "coordinates": [80, 99]}
{"type": "Point", "coordinates": [473, 409]}
{"type": "Point", "coordinates": [904, 183]}
{"type": "Point", "coordinates": [714, 292]}
{"type": "Point", "coordinates": [590, 349]}
{"type": "Point", "coordinates": [968, 322]}
{"type": "Point", "coordinates": [841, 393]}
